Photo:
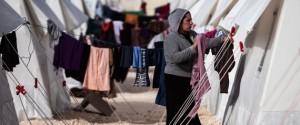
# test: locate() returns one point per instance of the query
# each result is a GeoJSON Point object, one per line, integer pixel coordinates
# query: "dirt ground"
{"type": "Point", "coordinates": [134, 106]}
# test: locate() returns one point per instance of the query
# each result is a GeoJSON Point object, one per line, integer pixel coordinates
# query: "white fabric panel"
{"type": "Point", "coordinates": [190, 4]}
{"type": "Point", "coordinates": [7, 13]}
{"type": "Point", "coordinates": [24, 76]}
{"type": "Point", "coordinates": [47, 11]}
{"type": "Point", "coordinates": [90, 7]}
{"type": "Point", "coordinates": [72, 15]}
{"type": "Point", "coordinates": [250, 12]}
{"type": "Point", "coordinates": [222, 6]}
{"type": "Point", "coordinates": [8, 114]}
{"type": "Point", "coordinates": [83, 26]}
{"type": "Point", "coordinates": [280, 98]}
{"type": "Point", "coordinates": [173, 4]}
{"type": "Point", "coordinates": [56, 8]}
{"type": "Point", "coordinates": [182, 4]}
{"type": "Point", "coordinates": [201, 10]}
{"type": "Point", "coordinates": [228, 21]}
{"type": "Point", "coordinates": [245, 13]}
{"type": "Point", "coordinates": [40, 65]}
{"type": "Point", "coordinates": [243, 105]}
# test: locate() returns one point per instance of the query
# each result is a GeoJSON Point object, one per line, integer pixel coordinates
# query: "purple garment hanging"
{"type": "Point", "coordinates": [199, 79]}
{"type": "Point", "coordinates": [67, 54]}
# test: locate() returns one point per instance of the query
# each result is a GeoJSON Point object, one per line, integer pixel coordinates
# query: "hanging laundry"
{"type": "Point", "coordinates": [145, 20]}
{"type": "Point", "coordinates": [93, 27]}
{"type": "Point", "coordinates": [107, 12]}
{"type": "Point", "coordinates": [142, 77]}
{"type": "Point", "coordinates": [135, 33]}
{"type": "Point", "coordinates": [68, 53]}
{"type": "Point", "coordinates": [159, 76]}
{"type": "Point", "coordinates": [143, 7]}
{"type": "Point", "coordinates": [159, 65]}
{"type": "Point", "coordinates": [144, 37]}
{"type": "Point", "coordinates": [163, 11]}
{"type": "Point", "coordinates": [97, 76]}
{"type": "Point", "coordinates": [210, 34]}
{"type": "Point", "coordinates": [9, 51]}
{"type": "Point", "coordinates": [118, 16]}
{"type": "Point", "coordinates": [199, 79]}
{"type": "Point", "coordinates": [136, 58]}
{"type": "Point", "coordinates": [79, 74]}
{"type": "Point", "coordinates": [125, 34]}
{"type": "Point", "coordinates": [224, 64]}
{"type": "Point", "coordinates": [156, 26]}
{"type": "Point", "coordinates": [120, 65]}
{"type": "Point", "coordinates": [107, 33]}
{"type": "Point", "coordinates": [126, 57]}
{"type": "Point", "coordinates": [158, 37]}
{"type": "Point", "coordinates": [54, 33]}
{"type": "Point", "coordinates": [118, 26]}
{"type": "Point", "coordinates": [221, 61]}
{"type": "Point", "coordinates": [132, 19]}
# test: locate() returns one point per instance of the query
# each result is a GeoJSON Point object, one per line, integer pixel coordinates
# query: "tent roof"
{"type": "Point", "coordinates": [10, 14]}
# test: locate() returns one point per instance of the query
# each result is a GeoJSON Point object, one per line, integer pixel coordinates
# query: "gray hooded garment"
{"type": "Point", "coordinates": [179, 53]}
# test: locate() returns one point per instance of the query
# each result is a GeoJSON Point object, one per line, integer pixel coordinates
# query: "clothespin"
{"type": "Point", "coordinates": [35, 82]}
{"type": "Point", "coordinates": [241, 46]}
{"type": "Point", "coordinates": [232, 33]}
{"type": "Point", "coordinates": [20, 89]}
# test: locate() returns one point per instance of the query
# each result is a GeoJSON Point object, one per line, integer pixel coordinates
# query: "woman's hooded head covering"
{"type": "Point", "coordinates": [176, 17]}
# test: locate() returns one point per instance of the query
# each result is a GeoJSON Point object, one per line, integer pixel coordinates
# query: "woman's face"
{"type": "Point", "coordinates": [186, 24]}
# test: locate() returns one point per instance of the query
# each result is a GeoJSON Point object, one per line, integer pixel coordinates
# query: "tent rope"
{"type": "Point", "coordinates": [24, 110]}
{"type": "Point", "coordinates": [24, 94]}
{"type": "Point", "coordinates": [32, 76]}
{"type": "Point", "coordinates": [58, 76]}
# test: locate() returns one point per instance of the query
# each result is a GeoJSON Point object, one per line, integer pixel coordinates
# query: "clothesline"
{"type": "Point", "coordinates": [96, 40]}
{"type": "Point", "coordinates": [59, 113]}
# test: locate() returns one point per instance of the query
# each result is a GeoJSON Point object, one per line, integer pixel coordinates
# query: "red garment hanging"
{"type": "Point", "coordinates": [105, 27]}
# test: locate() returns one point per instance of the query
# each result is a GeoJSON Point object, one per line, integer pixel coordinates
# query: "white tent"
{"type": "Point", "coordinates": [265, 89]}
{"type": "Point", "coordinates": [8, 114]}
{"type": "Point", "coordinates": [36, 58]}
{"type": "Point", "coordinates": [216, 102]}
{"type": "Point", "coordinates": [201, 11]}
{"type": "Point", "coordinates": [51, 96]}
{"type": "Point", "coordinates": [252, 99]}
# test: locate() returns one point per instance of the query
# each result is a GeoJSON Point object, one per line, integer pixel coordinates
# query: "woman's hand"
{"type": "Point", "coordinates": [224, 38]}
{"type": "Point", "coordinates": [196, 41]}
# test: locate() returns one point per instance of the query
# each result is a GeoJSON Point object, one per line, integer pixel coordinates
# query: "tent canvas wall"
{"type": "Point", "coordinates": [269, 96]}
{"type": "Point", "coordinates": [35, 40]}
{"type": "Point", "coordinates": [8, 114]}
{"type": "Point", "coordinates": [38, 66]}
{"type": "Point", "coordinates": [217, 102]}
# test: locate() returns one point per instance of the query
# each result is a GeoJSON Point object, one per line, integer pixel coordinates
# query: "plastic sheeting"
{"type": "Point", "coordinates": [8, 13]}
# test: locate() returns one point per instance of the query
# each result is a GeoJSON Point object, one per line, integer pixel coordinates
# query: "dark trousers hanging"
{"type": "Point", "coordinates": [178, 90]}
